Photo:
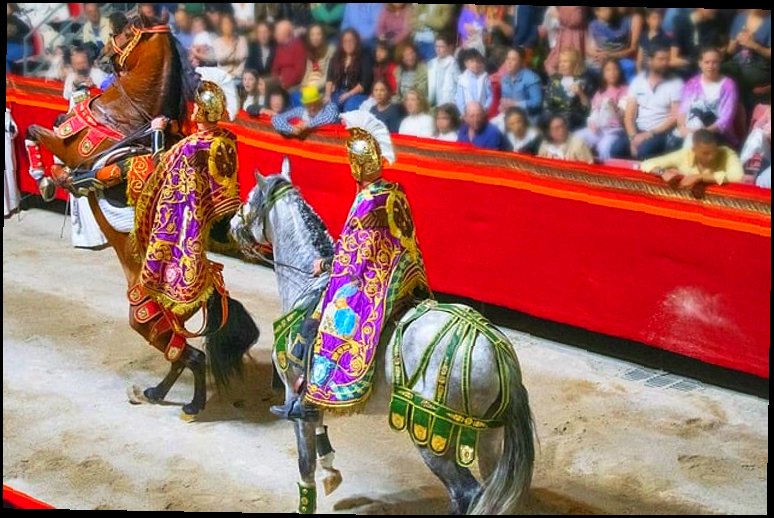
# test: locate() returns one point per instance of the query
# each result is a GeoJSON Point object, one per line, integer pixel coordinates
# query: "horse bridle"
{"type": "Point", "coordinates": [124, 52]}
{"type": "Point", "coordinates": [272, 198]}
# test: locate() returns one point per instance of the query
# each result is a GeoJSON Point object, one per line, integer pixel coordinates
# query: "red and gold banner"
{"type": "Point", "coordinates": [609, 250]}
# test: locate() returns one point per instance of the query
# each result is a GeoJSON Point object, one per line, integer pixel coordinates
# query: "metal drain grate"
{"type": "Point", "coordinates": [660, 379]}
{"type": "Point", "coordinates": [639, 374]}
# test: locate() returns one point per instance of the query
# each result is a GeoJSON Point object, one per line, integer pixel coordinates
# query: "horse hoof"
{"type": "Point", "coordinates": [190, 413]}
{"type": "Point", "coordinates": [136, 396]}
{"type": "Point", "coordinates": [332, 481]}
{"type": "Point", "coordinates": [151, 395]}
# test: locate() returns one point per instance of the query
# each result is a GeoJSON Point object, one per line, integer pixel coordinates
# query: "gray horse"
{"type": "Point", "coordinates": [483, 378]}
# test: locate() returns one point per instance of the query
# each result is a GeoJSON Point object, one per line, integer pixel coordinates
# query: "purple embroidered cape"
{"type": "Point", "coordinates": [194, 184]}
{"type": "Point", "coordinates": [377, 270]}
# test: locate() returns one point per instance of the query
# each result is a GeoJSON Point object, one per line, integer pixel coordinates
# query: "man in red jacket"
{"type": "Point", "coordinates": [290, 60]}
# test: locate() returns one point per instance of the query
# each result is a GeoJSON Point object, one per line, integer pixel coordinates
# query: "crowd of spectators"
{"type": "Point", "coordinates": [564, 82]}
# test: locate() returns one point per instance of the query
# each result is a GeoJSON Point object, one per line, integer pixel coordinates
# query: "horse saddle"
{"type": "Point", "coordinates": [81, 118]}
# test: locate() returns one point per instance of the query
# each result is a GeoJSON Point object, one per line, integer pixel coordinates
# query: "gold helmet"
{"type": "Point", "coordinates": [368, 144]}
{"type": "Point", "coordinates": [211, 102]}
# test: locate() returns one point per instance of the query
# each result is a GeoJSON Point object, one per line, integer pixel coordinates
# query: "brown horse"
{"type": "Point", "coordinates": [154, 78]}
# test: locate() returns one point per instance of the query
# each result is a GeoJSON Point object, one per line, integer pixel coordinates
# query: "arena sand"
{"type": "Point", "coordinates": [607, 445]}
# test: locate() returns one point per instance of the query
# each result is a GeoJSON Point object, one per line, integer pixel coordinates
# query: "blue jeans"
{"type": "Point", "coordinates": [656, 146]}
{"type": "Point", "coordinates": [14, 52]}
{"type": "Point", "coordinates": [351, 104]}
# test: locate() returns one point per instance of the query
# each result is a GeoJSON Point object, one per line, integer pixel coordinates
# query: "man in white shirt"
{"type": "Point", "coordinates": [83, 73]}
{"type": "Point", "coordinates": [652, 107]}
{"type": "Point", "coordinates": [97, 28]}
{"type": "Point", "coordinates": [442, 73]}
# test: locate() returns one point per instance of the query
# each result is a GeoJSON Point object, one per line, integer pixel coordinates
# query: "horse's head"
{"type": "Point", "coordinates": [126, 47]}
{"type": "Point", "coordinates": [251, 227]}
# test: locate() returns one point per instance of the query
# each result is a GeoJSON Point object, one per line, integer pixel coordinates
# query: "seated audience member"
{"type": "Point", "coordinates": [430, 20]}
{"type": "Point", "coordinates": [525, 35]}
{"type": "Point", "coordinates": [410, 74]}
{"type": "Point", "coordinates": [568, 92]}
{"type": "Point", "coordinates": [264, 85]}
{"type": "Point", "coordinates": [363, 18]}
{"type": "Point", "coordinates": [383, 108]}
{"type": "Point", "coordinates": [244, 14]}
{"type": "Point", "coordinates": [570, 33]}
{"type": "Point", "coordinates": [499, 33]}
{"type": "Point", "coordinates": [230, 48]}
{"type": "Point", "coordinates": [519, 135]}
{"type": "Point", "coordinates": [520, 87]}
{"type": "Point", "coordinates": [318, 55]}
{"type": "Point", "coordinates": [756, 152]}
{"type": "Point", "coordinates": [610, 36]}
{"type": "Point", "coordinates": [290, 59]}
{"type": "Point", "coordinates": [395, 23]}
{"type": "Point", "coordinates": [349, 74]}
{"type": "Point", "coordinates": [706, 163]}
{"type": "Point", "coordinates": [418, 122]}
{"type": "Point", "coordinates": [750, 51]}
{"type": "Point", "coordinates": [181, 28]}
{"type": "Point", "coordinates": [559, 144]}
{"type": "Point", "coordinates": [83, 74]}
{"type": "Point", "coordinates": [694, 31]}
{"type": "Point", "coordinates": [471, 28]}
{"type": "Point", "coordinates": [384, 65]}
{"type": "Point", "coordinates": [447, 123]}
{"type": "Point", "coordinates": [249, 91]}
{"type": "Point", "coordinates": [474, 84]}
{"type": "Point", "coordinates": [652, 107]}
{"type": "Point", "coordinates": [604, 131]}
{"type": "Point", "coordinates": [478, 131]}
{"type": "Point", "coordinates": [97, 27]}
{"type": "Point", "coordinates": [652, 37]}
{"type": "Point", "coordinates": [328, 17]}
{"type": "Point", "coordinates": [16, 30]}
{"type": "Point", "coordinates": [443, 73]}
{"type": "Point", "coordinates": [202, 51]}
{"type": "Point", "coordinates": [709, 101]}
{"type": "Point", "coordinates": [277, 102]}
{"type": "Point", "coordinates": [262, 50]}
{"type": "Point", "coordinates": [313, 113]}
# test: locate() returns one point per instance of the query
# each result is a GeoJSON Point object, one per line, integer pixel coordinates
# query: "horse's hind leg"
{"type": "Point", "coordinates": [460, 482]}
{"type": "Point", "coordinates": [307, 465]}
{"type": "Point", "coordinates": [195, 360]}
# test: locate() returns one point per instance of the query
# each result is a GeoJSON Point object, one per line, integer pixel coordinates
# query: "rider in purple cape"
{"type": "Point", "coordinates": [376, 272]}
{"type": "Point", "coordinates": [194, 184]}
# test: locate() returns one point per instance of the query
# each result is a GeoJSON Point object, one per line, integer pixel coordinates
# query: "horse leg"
{"type": "Point", "coordinates": [195, 360]}
{"type": "Point", "coordinates": [326, 455]}
{"type": "Point", "coordinates": [307, 465]}
{"type": "Point", "coordinates": [159, 392]}
{"type": "Point", "coordinates": [460, 482]}
{"type": "Point", "coordinates": [49, 140]}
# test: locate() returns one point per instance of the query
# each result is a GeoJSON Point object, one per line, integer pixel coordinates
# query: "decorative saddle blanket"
{"type": "Point", "coordinates": [81, 118]}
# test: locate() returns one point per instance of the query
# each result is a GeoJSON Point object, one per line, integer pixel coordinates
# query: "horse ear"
{"type": "Point", "coordinates": [286, 169]}
{"type": "Point", "coordinates": [260, 179]}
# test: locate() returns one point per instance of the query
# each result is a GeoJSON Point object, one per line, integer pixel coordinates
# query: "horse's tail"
{"type": "Point", "coordinates": [512, 476]}
{"type": "Point", "coordinates": [227, 344]}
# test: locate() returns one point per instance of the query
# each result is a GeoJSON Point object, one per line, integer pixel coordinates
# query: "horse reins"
{"type": "Point", "coordinates": [263, 212]}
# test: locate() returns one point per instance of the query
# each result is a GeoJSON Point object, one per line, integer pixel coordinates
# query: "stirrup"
{"type": "Point", "coordinates": [295, 411]}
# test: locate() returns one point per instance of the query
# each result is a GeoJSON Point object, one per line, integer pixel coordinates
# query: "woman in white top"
{"type": "Point", "coordinates": [230, 48]}
{"type": "Point", "coordinates": [250, 92]}
{"type": "Point", "coordinates": [709, 101]}
{"type": "Point", "coordinates": [418, 122]}
{"type": "Point", "coordinates": [447, 123]}
{"type": "Point", "coordinates": [202, 50]}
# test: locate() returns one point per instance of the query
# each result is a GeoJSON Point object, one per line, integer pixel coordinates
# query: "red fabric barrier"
{"type": "Point", "coordinates": [609, 250]}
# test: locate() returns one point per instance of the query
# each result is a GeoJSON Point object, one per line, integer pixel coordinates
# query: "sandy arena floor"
{"type": "Point", "coordinates": [607, 445]}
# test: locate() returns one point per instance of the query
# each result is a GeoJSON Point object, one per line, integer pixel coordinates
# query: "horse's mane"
{"type": "Point", "coordinates": [185, 79]}
{"type": "Point", "coordinates": [321, 239]}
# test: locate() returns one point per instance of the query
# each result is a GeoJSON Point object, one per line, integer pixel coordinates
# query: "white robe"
{"type": "Point", "coordinates": [11, 190]}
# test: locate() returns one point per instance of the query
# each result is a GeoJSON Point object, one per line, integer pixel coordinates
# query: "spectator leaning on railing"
{"type": "Point", "coordinates": [313, 113]}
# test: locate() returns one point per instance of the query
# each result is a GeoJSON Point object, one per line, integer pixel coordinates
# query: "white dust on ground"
{"type": "Point", "coordinates": [70, 438]}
